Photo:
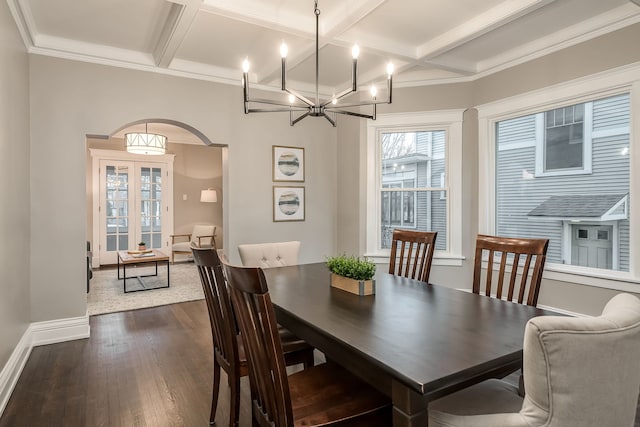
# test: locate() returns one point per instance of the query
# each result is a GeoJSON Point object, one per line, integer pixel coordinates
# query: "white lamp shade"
{"type": "Point", "coordinates": [208, 196]}
{"type": "Point", "coordinates": [145, 143]}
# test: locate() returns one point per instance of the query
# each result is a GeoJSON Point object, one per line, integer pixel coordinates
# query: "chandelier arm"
{"type": "Point", "coordinates": [351, 113]}
{"type": "Point", "coordinates": [276, 110]}
{"type": "Point", "coordinates": [300, 97]}
{"type": "Point", "coordinates": [272, 102]}
{"type": "Point", "coordinates": [361, 104]}
{"type": "Point", "coordinates": [294, 121]}
{"type": "Point", "coordinates": [329, 119]}
{"type": "Point", "coordinates": [338, 96]}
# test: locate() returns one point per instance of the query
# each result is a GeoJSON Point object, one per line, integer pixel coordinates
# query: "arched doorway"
{"type": "Point", "coordinates": [192, 163]}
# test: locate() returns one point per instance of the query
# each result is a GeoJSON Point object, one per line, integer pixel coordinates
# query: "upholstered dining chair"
{"type": "Point", "coordinates": [266, 255]}
{"type": "Point", "coordinates": [579, 372]}
{"type": "Point", "coordinates": [202, 236]}
{"type": "Point", "coordinates": [412, 253]}
{"type": "Point", "coordinates": [511, 251]}
{"type": "Point", "coordinates": [228, 350]}
{"type": "Point", "coordinates": [323, 395]}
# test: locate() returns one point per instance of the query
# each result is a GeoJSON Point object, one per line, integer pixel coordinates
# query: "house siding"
{"type": "Point", "coordinates": [519, 191]}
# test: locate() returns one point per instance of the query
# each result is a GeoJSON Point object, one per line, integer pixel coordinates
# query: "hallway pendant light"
{"type": "Point", "coordinates": [145, 143]}
{"type": "Point", "coordinates": [300, 107]}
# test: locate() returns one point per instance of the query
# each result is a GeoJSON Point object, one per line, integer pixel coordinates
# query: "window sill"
{"type": "Point", "coordinates": [607, 279]}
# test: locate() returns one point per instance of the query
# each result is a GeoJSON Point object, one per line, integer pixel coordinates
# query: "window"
{"type": "Point", "coordinates": [562, 170]}
{"type": "Point", "coordinates": [409, 162]}
{"type": "Point", "coordinates": [541, 205]}
{"type": "Point", "coordinates": [409, 170]}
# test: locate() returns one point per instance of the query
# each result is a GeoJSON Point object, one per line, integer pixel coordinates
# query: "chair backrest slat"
{"type": "Point", "coordinates": [510, 250]}
{"type": "Point", "coordinates": [412, 253]}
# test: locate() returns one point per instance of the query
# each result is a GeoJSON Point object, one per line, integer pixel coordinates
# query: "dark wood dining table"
{"type": "Point", "coordinates": [413, 341]}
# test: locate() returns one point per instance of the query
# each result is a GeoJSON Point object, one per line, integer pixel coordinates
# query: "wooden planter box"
{"type": "Point", "coordinates": [367, 287]}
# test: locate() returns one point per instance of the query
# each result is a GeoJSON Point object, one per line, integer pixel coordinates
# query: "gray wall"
{"type": "Point", "coordinates": [14, 184]}
{"type": "Point", "coordinates": [600, 54]}
{"type": "Point", "coordinates": [73, 99]}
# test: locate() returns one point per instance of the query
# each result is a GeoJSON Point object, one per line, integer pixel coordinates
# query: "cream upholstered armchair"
{"type": "Point", "coordinates": [265, 255]}
{"type": "Point", "coordinates": [578, 372]}
{"type": "Point", "coordinates": [202, 236]}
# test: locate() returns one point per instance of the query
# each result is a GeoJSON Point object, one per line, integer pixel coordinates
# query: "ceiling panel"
{"type": "Point", "coordinates": [126, 24]}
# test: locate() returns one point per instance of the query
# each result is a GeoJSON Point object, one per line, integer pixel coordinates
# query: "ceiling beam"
{"type": "Point", "coordinates": [174, 31]}
{"type": "Point", "coordinates": [495, 17]}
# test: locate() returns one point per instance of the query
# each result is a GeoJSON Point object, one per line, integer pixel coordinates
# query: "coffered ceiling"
{"type": "Point", "coordinates": [429, 42]}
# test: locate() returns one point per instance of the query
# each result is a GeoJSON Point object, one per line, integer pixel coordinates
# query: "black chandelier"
{"type": "Point", "coordinates": [300, 107]}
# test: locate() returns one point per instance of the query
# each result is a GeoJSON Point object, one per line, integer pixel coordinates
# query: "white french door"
{"type": "Point", "coordinates": [133, 204]}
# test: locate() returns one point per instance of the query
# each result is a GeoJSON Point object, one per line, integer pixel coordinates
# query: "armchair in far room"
{"type": "Point", "coordinates": [202, 236]}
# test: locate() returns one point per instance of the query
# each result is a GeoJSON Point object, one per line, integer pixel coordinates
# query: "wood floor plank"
{"type": "Point", "coordinates": [148, 367]}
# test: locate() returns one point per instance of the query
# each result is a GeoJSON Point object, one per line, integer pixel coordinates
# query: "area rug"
{"type": "Point", "coordinates": [107, 292]}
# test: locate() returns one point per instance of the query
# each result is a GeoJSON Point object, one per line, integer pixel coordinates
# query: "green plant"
{"type": "Point", "coordinates": [352, 267]}
{"type": "Point", "coordinates": [142, 244]}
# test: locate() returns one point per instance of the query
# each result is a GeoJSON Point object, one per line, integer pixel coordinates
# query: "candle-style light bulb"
{"type": "Point", "coordinates": [373, 91]}
{"type": "Point", "coordinates": [245, 65]}
{"type": "Point", "coordinates": [334, 101]}
{"type": "Point", "coordinates": [390, 68]}
{"type": "Point", "coordinates": [355, 51]}
{"type": "Point", "coordinates": [292, 99]}
{"type": "Point", "coordinates": [284, 50]}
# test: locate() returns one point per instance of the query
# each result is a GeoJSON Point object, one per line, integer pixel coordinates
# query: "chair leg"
{"type": "Point", "coordinates": [234, 413]}
{"type": "Point", "coordinates": [215, 393]}
{"type": "Point", "coordinates": [308, 361]}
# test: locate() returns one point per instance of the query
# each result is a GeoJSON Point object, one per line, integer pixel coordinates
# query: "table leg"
{"type": "Point", "coordinates": [168, 276]}
{"type": "Point", "coordinates": [409, 407]}
{"type": "Point", "coordinates": [124, 277]}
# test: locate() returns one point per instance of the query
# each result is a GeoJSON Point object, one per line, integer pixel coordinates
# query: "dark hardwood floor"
{"type": "Point", "coordinates": [149, 367]}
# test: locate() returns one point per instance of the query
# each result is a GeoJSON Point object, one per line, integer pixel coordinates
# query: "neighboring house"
{"type": "Point", "coordinates": [415, 161]}
{"type": "Point", "coordinates": [563, 174]}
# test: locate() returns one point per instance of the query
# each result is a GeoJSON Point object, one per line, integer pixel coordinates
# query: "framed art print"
{"type": "Point", "coordinates": [288, 164]}
{"type": "Point", "coordinates": [288, 203]}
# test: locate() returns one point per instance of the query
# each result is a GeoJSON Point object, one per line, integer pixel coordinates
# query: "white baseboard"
{"type": "Point", "coordinates": [13, 368]}
{"type": "Point", "coordinates": [60, 330]}
{"type": "Point", "coordinates": [38, 333]}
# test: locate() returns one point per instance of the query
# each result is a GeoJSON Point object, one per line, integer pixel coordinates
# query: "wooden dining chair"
{"type": "Point", "coordinates": [412, 253]}
{"type": "Point", "coordinates": [511, 252]}
{"type": "Point", "coordinates": [228, 350]}
{"type": "Point", "coordinates": [323, 395]}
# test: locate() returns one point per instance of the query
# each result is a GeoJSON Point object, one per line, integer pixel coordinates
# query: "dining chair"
{"type": "Point", "coordinates": [510, 250]}
{"type": "Point", "coordinates": [412, 253]}
{"type": "Point", "coordinates": [203, 236]}
{"type": "Point", "coordinates": [266, 255]}
{"type": "Point", "coordinates": [228, 349]}
{"type": "Point", "coordinates": [323, 395]}
{"type": "Point", "coordinates": [579, 372]}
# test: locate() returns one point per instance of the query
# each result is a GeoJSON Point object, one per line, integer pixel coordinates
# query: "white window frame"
{"type": "Point", "coordinates": [449, 121]}
{"type": "Point", "coordinates": [587, 143]}
{"type": "Point", "coordinates": [618, 81]}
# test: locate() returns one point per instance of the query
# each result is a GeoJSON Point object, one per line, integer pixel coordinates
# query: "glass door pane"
{"type": "Point", "coordinates": [150, 197]}
{"type": "Point", "coordinates": [116, 205]}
